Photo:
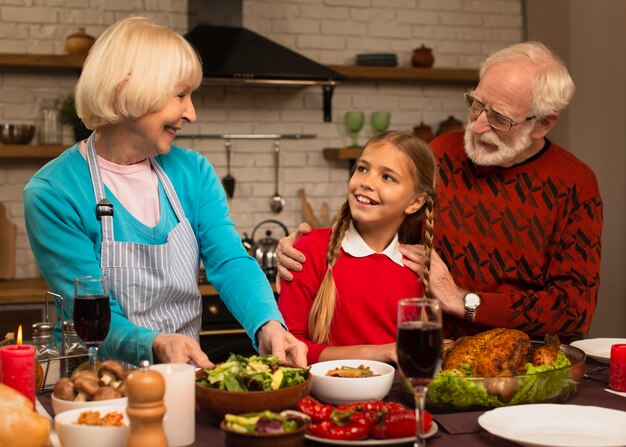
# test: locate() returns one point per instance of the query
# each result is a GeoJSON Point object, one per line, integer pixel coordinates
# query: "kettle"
{"type": "Point", "coordinates": [264, 250]}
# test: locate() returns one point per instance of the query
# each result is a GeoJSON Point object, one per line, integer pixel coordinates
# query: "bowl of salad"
{"type": "Point", "coordinates": [265, 429]}
{"type": "Point", "coordinates": [250, 384]}
{"type": "Point", "coordinates": [555, 381]}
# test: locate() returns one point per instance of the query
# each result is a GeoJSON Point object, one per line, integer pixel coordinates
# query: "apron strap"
{"type": "Point", "coordinates": [104, 208]}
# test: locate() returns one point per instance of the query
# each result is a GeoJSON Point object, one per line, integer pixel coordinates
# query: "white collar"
{"type": "Point", "coordinates": [354, 245]}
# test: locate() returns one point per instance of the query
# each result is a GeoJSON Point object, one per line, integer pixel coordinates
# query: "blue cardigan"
{"type": "Point", "coordinates": [65, 236]}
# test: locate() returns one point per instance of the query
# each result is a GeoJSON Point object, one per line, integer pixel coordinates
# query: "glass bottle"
{"type": "Point", "coordinates": [50, 123]}
{"type": "Point", "coordinates": [75, 351]}
{"type": "Point", "coordinates": [47, 353]}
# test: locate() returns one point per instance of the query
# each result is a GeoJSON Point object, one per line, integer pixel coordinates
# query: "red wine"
{"type": "Point", "coordinates": [419, 350]}
{"type": "Point", "coordinates": [92, 318]}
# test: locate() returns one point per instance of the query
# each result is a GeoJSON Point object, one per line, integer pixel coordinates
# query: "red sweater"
{"type": "Point", "coordinates": [526, 239]}
{"type": "Point", "coordinates": [368, 290]}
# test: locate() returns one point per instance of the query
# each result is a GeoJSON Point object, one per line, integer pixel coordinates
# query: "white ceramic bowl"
{"type": "Point", "coordinates": [345, 390]}
{"type": "Point", "coordinates": [72, 434]}
{"type": "Point", "coordinates": [60, 405]}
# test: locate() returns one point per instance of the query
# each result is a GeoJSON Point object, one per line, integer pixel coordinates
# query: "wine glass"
{"type": "Point", "coordinates": [380, 121]}
{"type": "Point", "coordinates": [354, 122]}
{"type": "Point", "coordinates": [92, 313]}
{"type": "Point", "coordinates": [418, 347]}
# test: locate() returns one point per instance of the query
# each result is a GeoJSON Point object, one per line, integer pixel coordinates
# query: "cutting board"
{"type": "Point", "coordinates": [8, 236]}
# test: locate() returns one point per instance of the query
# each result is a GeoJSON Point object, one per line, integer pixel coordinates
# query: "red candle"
{"type": "Point", "coordinates": [617, 368]}
{"type": "Point", "coordinates": [17, 367]}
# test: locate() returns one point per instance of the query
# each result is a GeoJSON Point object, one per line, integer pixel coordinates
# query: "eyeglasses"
{"type": "Point", "coordinates": [496, 120]}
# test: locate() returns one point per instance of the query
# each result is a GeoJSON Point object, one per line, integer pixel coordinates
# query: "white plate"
{"type": "Point", "coordinates": [598, 348]}
{"type": "Point", "coordinates": [555, 425]}
{"type": "Point", "coordinates": [434, 429]}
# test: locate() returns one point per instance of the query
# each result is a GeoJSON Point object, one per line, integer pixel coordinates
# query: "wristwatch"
{"type": "Point", "coordinates": [471, 301]}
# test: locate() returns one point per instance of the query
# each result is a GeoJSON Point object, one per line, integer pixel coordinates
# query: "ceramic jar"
{"type": "Point", "coordinates": [450, 125]}
{"type": "Point", "coordinates": [424, 132]}
{"type": "Point", "coordinates": [422, 57]}
{"type": "Point", "coordinates": [79, 42]}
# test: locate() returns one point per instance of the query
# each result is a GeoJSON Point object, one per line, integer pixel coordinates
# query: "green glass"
{"type": "Point", "coordinates": [354, 122]}
{"type": "Point", "coordinates": [380, 121]}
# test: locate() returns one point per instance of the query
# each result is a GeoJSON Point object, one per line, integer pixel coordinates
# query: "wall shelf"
{"type": "Point", "coordinates": [42, 63]}
{"type": "Point", "coordinates": [23, 152]}
{"type": "Point", "coordinates": [359, 72]}
{"type": "Point", "coordinates": [342, 153]}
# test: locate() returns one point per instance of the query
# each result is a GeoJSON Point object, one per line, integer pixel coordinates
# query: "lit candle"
{"type": "Point", "coordinates": [180, 402]}
{"type": "Point", "coordinates": [617, 367]}
{"type": "Point", "coordinates": [17, 367]}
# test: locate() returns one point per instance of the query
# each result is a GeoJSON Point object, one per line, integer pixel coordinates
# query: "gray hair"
{"type": "Point", "coordinates": [552, 87]}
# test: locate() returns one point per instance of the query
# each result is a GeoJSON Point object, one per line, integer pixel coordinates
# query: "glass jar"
{"type": "Point", "coordinates": [75, 351]}
{"type": "Point", "coordinates": [47, 353]}
{"type": "Point", "coordinates": [50, 123]}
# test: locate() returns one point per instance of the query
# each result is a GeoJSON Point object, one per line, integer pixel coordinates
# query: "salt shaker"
{"type": "Point", "coordinates": [47, 352]}
{"type": "Point", "coordinates": [145, 390]}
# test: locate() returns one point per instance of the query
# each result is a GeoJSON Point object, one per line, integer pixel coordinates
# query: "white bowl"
{"type": "Point", "coordinates": [345, 390]}
{"type": "Point", "coordinates": [60, 405]}
{"type": "Point", "coordinates": [72, 434]}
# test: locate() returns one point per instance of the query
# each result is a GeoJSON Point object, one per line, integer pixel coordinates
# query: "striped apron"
{"type": "Point", "coordinates": [155, 285]}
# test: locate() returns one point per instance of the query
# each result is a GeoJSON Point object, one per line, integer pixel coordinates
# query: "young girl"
{"type": "Point", "coordinates": [344, 304]}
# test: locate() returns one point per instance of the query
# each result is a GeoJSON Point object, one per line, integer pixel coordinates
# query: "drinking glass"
{"type": "Point", "coordinates": [354, 122]}
{"type": "Point", "coordinates": [380, 121]}
{"type": "Point", "coordinates": [92, 313]}
{"type": "Point", "coordinates": [418, 347]}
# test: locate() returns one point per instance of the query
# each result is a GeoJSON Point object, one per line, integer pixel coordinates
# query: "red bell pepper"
{"type": "Point", "coordinates": [313, 408]}
{"type": "Point", "coordinates": [343, 425]}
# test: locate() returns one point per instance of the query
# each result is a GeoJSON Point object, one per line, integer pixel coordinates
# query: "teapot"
{"type": "Point", "coordinates": [264, 250]}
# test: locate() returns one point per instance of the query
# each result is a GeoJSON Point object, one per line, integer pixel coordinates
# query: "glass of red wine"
{"type": "Point", "coordinates": [418, 347]}
{"type": "Point", "coordinates": [92, 313]}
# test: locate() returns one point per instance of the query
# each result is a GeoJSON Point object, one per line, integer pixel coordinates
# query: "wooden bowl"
{"type": "Point", "coordinates": [219, 402]}
{"type": "Point", "coordinates": [237, 439]}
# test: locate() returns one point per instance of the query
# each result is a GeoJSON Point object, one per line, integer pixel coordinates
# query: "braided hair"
{"type": "Point", "coordinates": [424, 169]}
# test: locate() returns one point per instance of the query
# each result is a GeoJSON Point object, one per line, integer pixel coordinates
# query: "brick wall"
{"type": "Point", "coordinates": [461, 33]}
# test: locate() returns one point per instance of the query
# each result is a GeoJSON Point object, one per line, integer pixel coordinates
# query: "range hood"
{"type": "Point", "coordinates": [232, 54]}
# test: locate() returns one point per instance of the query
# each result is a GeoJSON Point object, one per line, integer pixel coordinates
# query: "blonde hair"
{"type": "Point", "coordinates": [132, 69]}
{"type": "Point", "coordinates": [552, 87]}
{"type": "Point", "coordinates": [424, 169]}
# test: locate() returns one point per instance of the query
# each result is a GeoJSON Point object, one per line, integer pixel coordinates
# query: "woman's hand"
{"type": "Point", "coordinates": [381, 353]}
{"type": "Point", "coordinates": [442, 285]}
{"type": "Point", "coordinates": [178, 348]}
{"type": "Point", "coordinates": [274, 339]}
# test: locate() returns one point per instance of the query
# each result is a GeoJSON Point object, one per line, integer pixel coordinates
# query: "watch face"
{"type": "Point", "coordinates": [472, 300]}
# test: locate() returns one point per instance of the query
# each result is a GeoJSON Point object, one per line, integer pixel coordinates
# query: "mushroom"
{"type": "Point", "coordinates": [111, 373]}
{"type": "Point", "coordinates": [86, 388]}
{"type": "Point", "coordinates": [106, 393]}
{"type": "Point", "coordinates": [122, 388]}
{"type": "Point", "coordinates": [64, 389]}
{"type": "Point", "coordinates": [84, 373]}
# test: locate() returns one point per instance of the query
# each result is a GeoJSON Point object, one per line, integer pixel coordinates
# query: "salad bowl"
{"type": "Point", "coordinates": [235, 386]}
{"type": "Point", "coordinates": [453, 392]}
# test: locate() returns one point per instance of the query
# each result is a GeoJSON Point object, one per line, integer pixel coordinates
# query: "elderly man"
{"type": "Point", "coordinates": [518, 223]}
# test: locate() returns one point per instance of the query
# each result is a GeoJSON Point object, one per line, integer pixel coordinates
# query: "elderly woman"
{"type": "Point", "coordinates": [160, 208]}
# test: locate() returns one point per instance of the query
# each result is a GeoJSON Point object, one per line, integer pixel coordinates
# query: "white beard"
{"type": "Point", "coordinates": [504, 155]}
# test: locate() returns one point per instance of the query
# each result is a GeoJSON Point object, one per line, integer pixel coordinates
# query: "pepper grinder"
{"type": "Point", "coordinates": [145, 390]}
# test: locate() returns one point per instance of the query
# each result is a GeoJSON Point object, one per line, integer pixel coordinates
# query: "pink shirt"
{"type": "Point", "coordinates": [135, 186]}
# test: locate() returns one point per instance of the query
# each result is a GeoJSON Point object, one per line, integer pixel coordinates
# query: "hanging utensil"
{"type": "Point", "coordinates": [277, 202]}
{"type": "Point", "coordinates": [228, 180]}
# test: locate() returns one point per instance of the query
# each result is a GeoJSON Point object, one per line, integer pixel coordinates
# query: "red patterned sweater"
{"type": "Point", "coordinates": [526, 239]}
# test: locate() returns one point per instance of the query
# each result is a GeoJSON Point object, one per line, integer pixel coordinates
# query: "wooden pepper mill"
{"type": "Point", "coordinates": [145, 390]}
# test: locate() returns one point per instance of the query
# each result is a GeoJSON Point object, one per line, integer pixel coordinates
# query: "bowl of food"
{"type": "Point", "coordinates": [265, 429]}
{"type": "Point", "coordinates": [85, 389]}
{"type": "Point", "coordinates": [250, 384]}
{"type": "Point", "coordinates": [347, 381]}
{"type": "Point", "coordinates": [102, 426]}
{"type": "Point", "coordinates": [503, 367]}
{"type": "Point", "coordinates": [16, 133]}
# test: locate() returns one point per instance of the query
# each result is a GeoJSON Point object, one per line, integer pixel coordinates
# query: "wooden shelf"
{"type": "Point", "coordinates": [342, 154]}
{"type": "Point", "coordinates": [359, 72]}
{"type": "Point", "coordinates": [24, 152]}
{"type": "Point", "coordinates": [42, 63]}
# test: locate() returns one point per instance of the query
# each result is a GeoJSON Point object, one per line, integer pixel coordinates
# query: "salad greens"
{"type": "Point", "coordinates": [255, 373]}
{"type": "Point", "coordinates": [449, 389]}
{"type": "Point", "coordinates": [266, 422]}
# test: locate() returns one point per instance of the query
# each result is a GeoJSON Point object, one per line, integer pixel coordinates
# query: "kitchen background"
{"type": "Point", "coordinates": [460, 32]}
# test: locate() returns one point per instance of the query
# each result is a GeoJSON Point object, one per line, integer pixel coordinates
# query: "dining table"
{"type": "Point", "coordinates": [455, 429]}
